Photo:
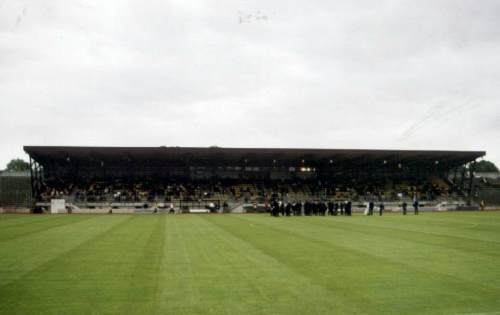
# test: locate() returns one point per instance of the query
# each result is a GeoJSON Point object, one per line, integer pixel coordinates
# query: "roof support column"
{"type": "Point", "coordinates": [462, 177]}
{"type": "Point", "coordinates": [471, 182]}
{"type": "Point", "coordinates": [33, 199]}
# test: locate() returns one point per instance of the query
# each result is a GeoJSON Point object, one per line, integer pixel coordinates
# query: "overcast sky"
{"type": "Point", "coordinates": [325, 74]}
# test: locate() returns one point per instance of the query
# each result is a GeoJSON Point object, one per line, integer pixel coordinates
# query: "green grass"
{"type": "Point", "coordinates": [435, 263]}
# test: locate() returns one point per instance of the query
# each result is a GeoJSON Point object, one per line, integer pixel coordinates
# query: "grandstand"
{"type": "Point", "coordinates": [132, 179]}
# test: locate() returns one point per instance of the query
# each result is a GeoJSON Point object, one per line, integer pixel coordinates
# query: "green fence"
{"type": "Point", "coordinates": [15, 190]}
{"type": "Point", "coordinates": [490, 195]}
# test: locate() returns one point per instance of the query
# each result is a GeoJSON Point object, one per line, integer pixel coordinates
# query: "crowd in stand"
{"type": "Point", "coordinates": [144, 191]}
{"type": "Point", "coordinates": [278, 198]}
{"type": "Point", "coordinates": [255, 192]}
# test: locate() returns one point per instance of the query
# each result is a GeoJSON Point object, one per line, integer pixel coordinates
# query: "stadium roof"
{"type": "Point", "coordinates": [256, 156]}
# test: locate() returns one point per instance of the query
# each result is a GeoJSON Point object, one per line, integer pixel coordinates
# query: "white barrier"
{"type": "Point", "coordinates": [57, 206]}
{"type": "Point", "coordinates": [199, 211]}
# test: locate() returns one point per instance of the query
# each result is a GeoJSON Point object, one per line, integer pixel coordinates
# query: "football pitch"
{"type": "Point", "coordinates": [435, 263]}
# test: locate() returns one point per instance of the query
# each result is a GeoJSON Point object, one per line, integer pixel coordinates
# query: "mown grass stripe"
{"type": "Point", "coordinates": [21, 231]}
{"type": "Point", "coordinates": [33, 253]}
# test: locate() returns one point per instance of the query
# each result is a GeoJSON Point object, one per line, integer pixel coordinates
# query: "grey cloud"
{"type": "Point", "coordinates": [351, 74]}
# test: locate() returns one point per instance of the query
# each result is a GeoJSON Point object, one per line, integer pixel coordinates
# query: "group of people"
{"type": "Point", "coordinates": [416, 205]}
{"type": "Point", "coordinates": [370, 207]}
{"type": "Point", "coordinates": [309, 208]}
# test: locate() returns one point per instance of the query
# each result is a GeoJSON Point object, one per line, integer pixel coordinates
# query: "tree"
{"type": "Point", "coordinates": [481, 166]}
{"type": "Point", "coordinates": [485, 166]}
{"type": "Point", "coordinates": [16, 165]}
